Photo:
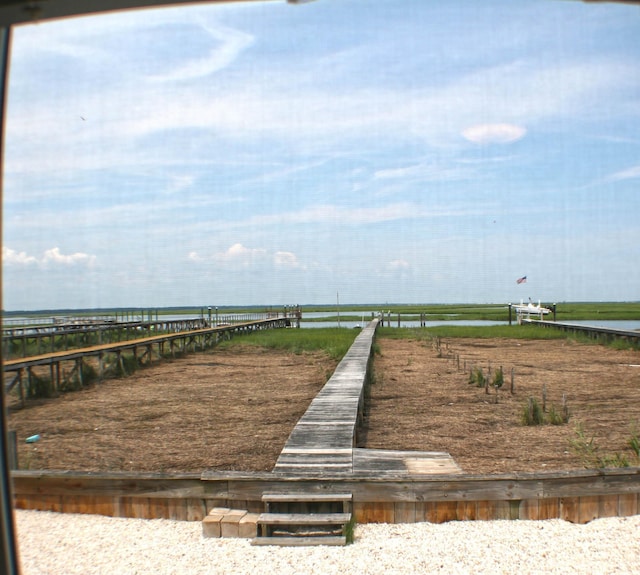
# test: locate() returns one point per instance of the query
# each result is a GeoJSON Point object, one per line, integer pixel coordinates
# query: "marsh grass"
{"type": "Point", "coordinates": [477, 377]}
{"type": "Point", "coordinates": [465, 331]}
{"type": "Point", "coordinates": [532, 413]}
{"type": "Point", "coordinates": [334, 341]}
{"type": "Point", "coordinates": [586, 448]}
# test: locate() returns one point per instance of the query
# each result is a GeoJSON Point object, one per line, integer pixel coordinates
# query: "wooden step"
{"type": "Point", "coordinates": [300, 541]}
{"type": "Point", "coordinates": [305, 497]}
{"type": "Point", "coordinates": [304, 518]}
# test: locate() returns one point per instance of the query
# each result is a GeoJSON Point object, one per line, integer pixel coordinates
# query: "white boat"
{"type": "Point", "coordinates": [530, 309]}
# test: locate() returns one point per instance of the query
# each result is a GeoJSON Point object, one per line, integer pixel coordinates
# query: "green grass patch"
{"type": "Point", "coordinates": [465, 331]}
{"type": "Point", "coordinates": [334, 341]}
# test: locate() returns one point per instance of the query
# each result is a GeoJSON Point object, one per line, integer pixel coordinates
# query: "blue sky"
{"type": "Point", "coordinates": [268, 153]}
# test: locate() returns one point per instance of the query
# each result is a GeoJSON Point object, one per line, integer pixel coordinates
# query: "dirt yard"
{"type": "Point", "coordinates": [423, 401]}
{"type": "Point", "coordinates": [234, 409]}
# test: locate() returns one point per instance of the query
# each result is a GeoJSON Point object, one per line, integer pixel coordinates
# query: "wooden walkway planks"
{"type": "Point", "coordinates": [387, 463]}
{"type": "Point", "coordinates": [322, 441]}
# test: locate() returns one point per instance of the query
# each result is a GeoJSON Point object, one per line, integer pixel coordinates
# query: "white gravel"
{"type": "Point", "coordinates": [65, 544]}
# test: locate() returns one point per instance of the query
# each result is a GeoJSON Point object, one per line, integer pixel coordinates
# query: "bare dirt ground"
{"type": "Point", "coordinates": [226, 410]}
{"type": "Point", "coordinates": [423, 401]}
{"type": "Point", "coordinates": [234, 409]}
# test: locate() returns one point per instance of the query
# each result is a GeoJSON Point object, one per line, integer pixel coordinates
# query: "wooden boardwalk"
{"type": "Point", "coordinates": [142, 349]}
{"type": "Point", "coordinates": [323, 441]}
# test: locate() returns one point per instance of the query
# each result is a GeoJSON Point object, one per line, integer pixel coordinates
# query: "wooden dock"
{"type": "Point", "coordinates": [323, 441]}
{"type": "Point", "coordinates": [592, 331]}
{"type": "Point", "coordinates": [142, 349]}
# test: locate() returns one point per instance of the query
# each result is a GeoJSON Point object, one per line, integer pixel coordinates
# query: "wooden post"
{"type": "Point", "coordinates": [121, 362]}
{"type": "Point", "coordinates": [79, 369]}
{"type": "Point", "coordinates": [512, 382]}
{"type": "Point", "coordinates": [29, 388]}
{"type": "Point", "coordinates": [12, 445]}
{"type": "Point", "coordinates": [53, 379]}
{"type": "Point", "coordinates": [544, 398]}
{"type": "Point", "coordinates": [20, 383]}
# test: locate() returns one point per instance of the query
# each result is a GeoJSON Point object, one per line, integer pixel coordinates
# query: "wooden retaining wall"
{"type": "Point", "coordinates": [576, 496]}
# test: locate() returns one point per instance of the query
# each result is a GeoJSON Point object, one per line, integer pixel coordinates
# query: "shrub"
{"type": "Point", "coordinates": [532, 413]}
{"type": "Point", "coordinates": [39, 387]}
{"type": "Point", "coordinates": [476, 376]}
{"type": "Point", "coordinates": [590, 455]}
{"type": "Point", "coordinates": [555, 417]}
{"type": "Point", "coordinates": [498, 379]}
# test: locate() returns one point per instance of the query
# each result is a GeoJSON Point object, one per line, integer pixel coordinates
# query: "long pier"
{"type": "Point", "coordinates": [55, 335]}
{"type": "Point", "coordinates": [142, 350]}
{"type": "Point", "coordinates": [592, 331]}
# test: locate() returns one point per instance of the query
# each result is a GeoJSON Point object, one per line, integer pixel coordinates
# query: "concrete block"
{"type": "Point", "coordinates": [211, 523]}
{"type": "Point", "coordinates": [248, 526]}
{"type": "Point", "coordinates": [211, 526]}
{"type": "Point", "coordinates": [229, 525]}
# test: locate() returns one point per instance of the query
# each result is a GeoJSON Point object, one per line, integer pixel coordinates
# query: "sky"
{"type": "Point", "coordinates": [374, 151]}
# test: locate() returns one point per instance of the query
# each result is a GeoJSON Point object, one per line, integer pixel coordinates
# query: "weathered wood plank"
{"type": "Point", "coordinates": [374, 512]}
{"type": "Point", "coordinates": [324, 436]}
{"type": "Point", "coordinates": [426, 511]}
{"type": "Point", "coordinates": [549, 508]}
{"type": "Point", "coordinates": [607, 505]}
{"type": "Point", "coordinates": [529, 509]}
{"type": "Point", "coordinates": [467, 510]}
{"type": "Point", "coordinates": [589, 508]}
{"type": "Point", "coordinates": [92, 505]}
{"type": "Point", "coordinates": [405, 512]}
{"type": "Point", "coordinates": [306, 497]}
{"type": "Point", "coordinates": [300, 541]}
{"type": "Point", "coordinates": [628, 504]}
{"type": "Point", "coordinates": [570, 509]}
{"type": "Point", "coordinates": [303, 518]}
{"type": "Point", "coordinates": [486, 510]}
{"type": "Point", "coordinates": [446, 511]}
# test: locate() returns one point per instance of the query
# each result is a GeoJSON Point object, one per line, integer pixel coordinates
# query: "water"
{"type": "Point", "coordinates": [392, 323]}
{"type": "Point", "coordinates": [625, 325]}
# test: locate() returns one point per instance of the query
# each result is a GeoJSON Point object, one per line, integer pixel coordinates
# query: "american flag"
{"type": "Point", "coordinates": [521, 280]}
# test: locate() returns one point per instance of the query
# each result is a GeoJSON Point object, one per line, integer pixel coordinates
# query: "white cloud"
{"type": "Point", "coordinates": [494, 133]}
{"type": "Point", "coordinates": [51, 256]}
{"type": "Point", "coordinates": [10, 256]}
{"type": "Point", "coordinates": [628, 174]}
{"type": "Point", "coordinates": [352, 216]}
{"type": "Point", "coordinates": [54, 255]}
{"type": "Point", "coordinates": [286, 260]}
{"type": "Point", "coordinates": [399, 264]}
{"type": "Point", "coordinates": [239, 254]}
{"type": "Point", "coordinates": [232, 43]}
{"type": "Point", "coordinates": [179, 183]}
